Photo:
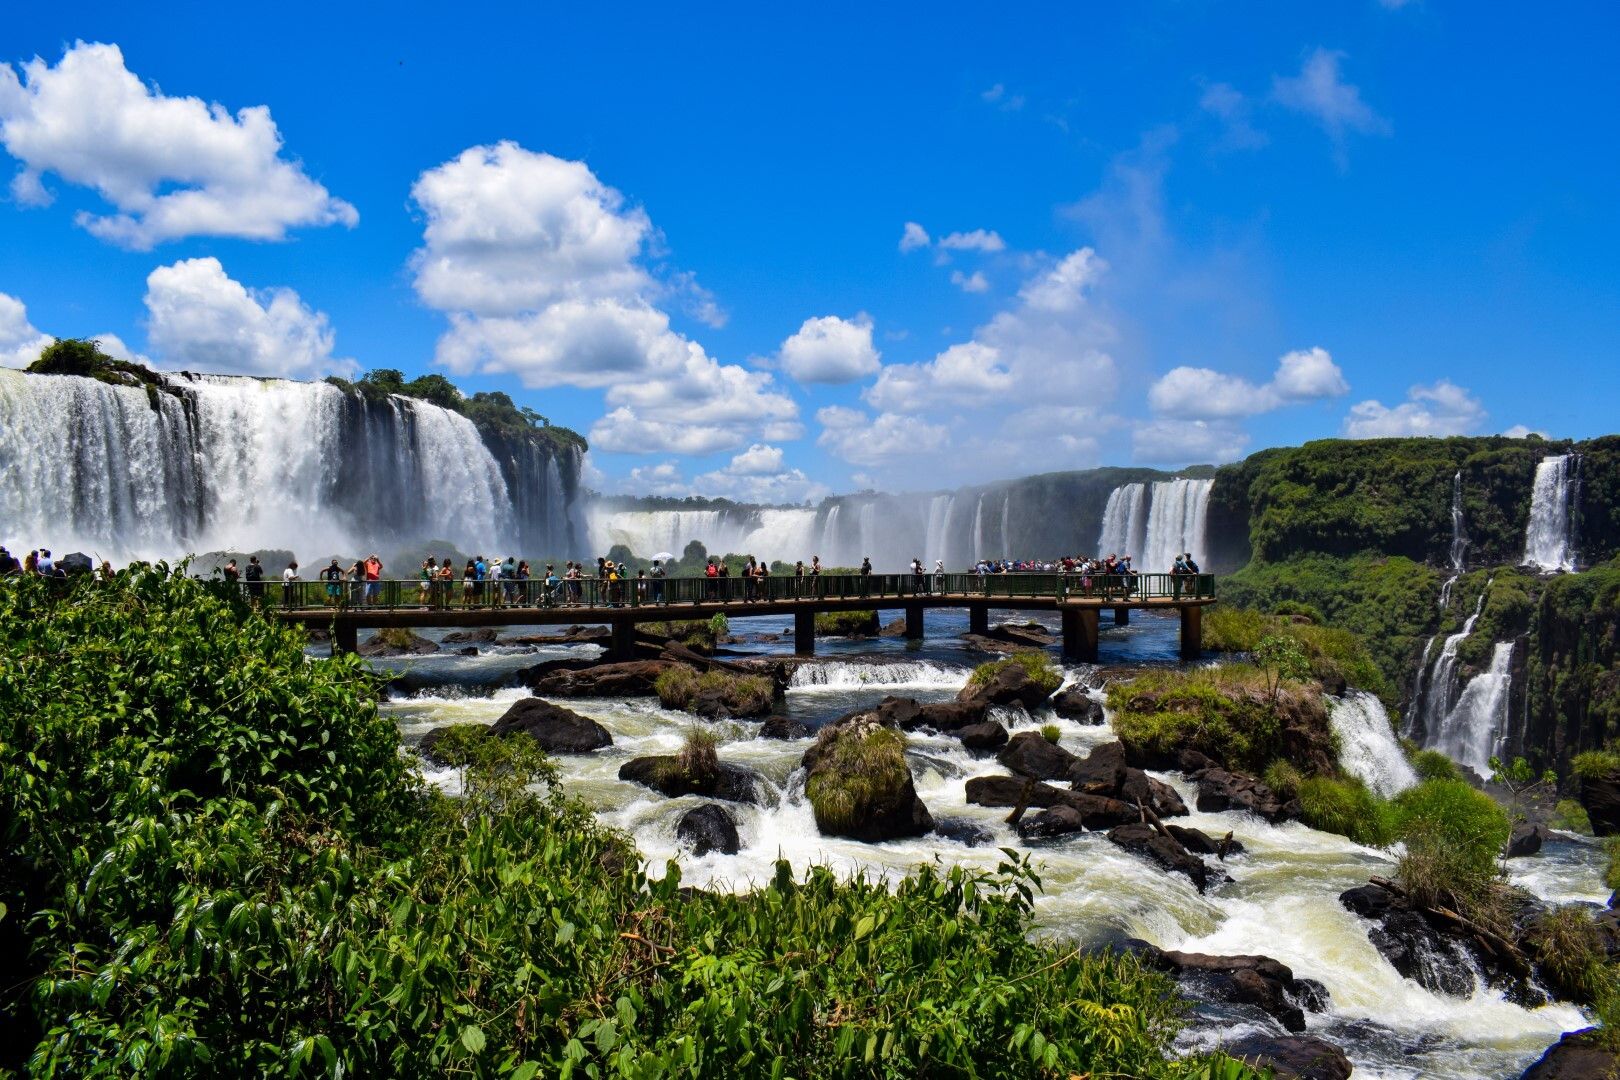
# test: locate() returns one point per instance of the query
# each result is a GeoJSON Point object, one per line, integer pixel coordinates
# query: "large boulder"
{"type": "Point", "coordinates": [985, 735]}
{"type": "Point", "coordinates": [1259, 981]}
{"type": "Point", "coordinates": [483, 635]}
{"type": "Point", "coordinates": [556, 729]}
{"type": "Point", "coordinates": [1097, 811]}
{"type": "Point", "coordinates": [859, 784]}
{"type": "Point", "coordinates": [396, 643]}
{"type": "Point", "coordinates": [1199, 842]}
{"type": "Point", "coordinates": [1059, 820]}
{"type": "Point", "coordinates": [1104, 772]}
{"type": "Point", "coordinates": [1292, 1057]}
{"type": "Point", "coordinates": [782, 727]}
{"type": "Point", "coordinates": [1527, 839]}
{"type": "Point", "coordinates": [1011, 685]}
{"type": "Point", "coordinates": [665, 773]}
{"type": "Point", "coordinates": [1220, 790]}
{"type": "Point", "coordinates": [909, 715]}
{"type": "Point", "coordinates": [1438, 962]}
{"type": "Point", "coordinates": [1600, 795]}
{"type": "Point", "coordinates": [1031, 754]}
{"type": "Point", "coordinates": [1145, 840]}
{"type": "Point", "coordinates": [1579, 1055]}
{"type": "Point", "coordinates": [632, 678]}
{"type": "Point", "coordinates": [708, 828]}
{"type": "Point", "coordinates": [1073, 703]}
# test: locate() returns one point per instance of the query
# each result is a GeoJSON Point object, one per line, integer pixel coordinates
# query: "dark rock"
{"type": "Point", "coordinates": [414, 645]}
{"type": "Point", "coordinates": [1198, 842]}
{"type": "Point", "coordinates": [1418, 950]}
{"type": "Point", "coordinates": [781, 727]}
{"type": "Point", "coordinates": [663, 773]}
{"type": "Point", "coordinates": [908, 715]}
{"type": "Point", "coordinates": [470, 650]}
{"type": "Point", "coordinates": [987, 735]}
{"type": "Point", "coordinates": [556, 729]}
{"type": "Point", "coordinates": [1193, 762]}
{"type": "Point", "coordinates": [1600, 795]}
{"type": "Point", "coordinates": [1009, 638]}
{"type": "Point", "coordinates": [632, 678]}
{"type": "Point", "coordinates": [1030, 754]}
{"type": "Point", "coordinates": [1104, 772]}
{"type": "Point", "coordinates": [1368, 901]}
{"type": "Point", "coordinates": [1579, 1055]}
{"type": "Point", "coordinates": [885, 803]}
{"type": "Point", "coordinates": [1527, 839]}
{"type": "Point", "coordinates": [1009, 686]}
{"type": "Point", "coordinates": [1145, 840]}
{"type": "Point", "coordinates": [1059, 820]}
{"type": "Point", "coordinates": [1099, 812]}
{"type": "Point", "coordinates": [963, 832]}
{"type": "Point", "coordinates": [484, 635]}
{"type": "Point", "coordinates": [1073, 703]}
{"type": "Point", "coordinates": [529, 676]}
{"type": "Point", "coordinates": [708, 828]}
{"type": "Point", "coordinates": [568, 635]}
{"type": "Point", "coordinates": [1260, 981]}
{"type": "Point", "coordinates": [1220, 790]}
{"type": "Point", "coordinates": [1292, 1057]}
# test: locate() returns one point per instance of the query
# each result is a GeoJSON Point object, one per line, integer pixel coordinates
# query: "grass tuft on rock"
{"type": "Point", "coordinates": [1037, 665]}
{"type": "Point", "coordinates": [864, 767]}
{"type": "Point", "coordinates": [847, 624]}
{"type": "Point", "coordinates": [1051, 733]}
{"type": "Point", "coordinates": [1433, 765]}
{"type": "Point", "coordinates": [698, 758]}
{"type": "Point", "coordinates": [743, 695]}
{"type": "Point", "coordinates": [1347, 807]}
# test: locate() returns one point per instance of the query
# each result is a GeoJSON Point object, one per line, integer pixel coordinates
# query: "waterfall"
{"type": "Point", "coordinates": [939, 513]}
{"type": "Point", "coordinates": [945, 551]}
{"type": "Point", "coordinates": [978, 531]}
{"type": "Point", "coordinates": [1475, 726]}
{"type": "Point", "coordinates": [868, 523]}
{"type": "Point", "coordinates": [829, 536]}
{"type": "Point", "coordinates": [1367, 746]}
{"type": "Point", "coordinates": [1549, 541]}
{"type": "Point", "coordinates": [1006, 526]}
{"type": "Point", "coordinates": [200, 462]}
{"type": "Point", "coordinates": [1459, 541]}
{"type": "Point", "coordinates": [1433, 697]}
{"type": "Point", "coordinates": [1176, 516]}
{"type": "Point", "coordinates": [773, 535]}
{"type": "Point", "coordinates": [1123, 527]}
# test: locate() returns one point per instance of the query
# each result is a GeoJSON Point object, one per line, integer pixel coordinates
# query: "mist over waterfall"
{"type": "Point", "coordinates": [1549, 538]}
{"type": "Point", "coordinates": [1367, 746]}
{"type": "Point", "coordinates": [200, 462]}
{"type": "Point", "coordinates": [1124, 524]}
{"type": "Point", "coordinates": [1177, 513]}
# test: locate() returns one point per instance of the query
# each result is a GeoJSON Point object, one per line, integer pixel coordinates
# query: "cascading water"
{"type": "Point", "coordinates": [1434, 695]}
{"type": "Point", "coordinates": [1459, 540]}
{"type": "Point", "coordinates": [1367, 746]}
{"type": "Point", "coordinates": [198, 462]}
{"type": "Point", "coordinates": [1476, 725]}
{"type": "Point", "coordinates": [1549, 540]}
{"type": "Point", "coordinates": [1124, 527]}
{"type": "Point", "coordinates": [1175, 524]}
{"type": "Point", "coordinates": [1006, 525]}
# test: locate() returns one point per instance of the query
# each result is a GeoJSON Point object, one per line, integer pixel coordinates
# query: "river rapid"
{"type": "Point", "coordinates": [1281, 901]}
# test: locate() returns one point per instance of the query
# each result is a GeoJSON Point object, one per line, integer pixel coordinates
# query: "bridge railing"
{"type": "Point", "coordinates": [594, 593]}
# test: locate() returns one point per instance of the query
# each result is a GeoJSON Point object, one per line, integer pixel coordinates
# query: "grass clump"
{"type": "Point", "coordinates": [682, 687]}
{"type": "Point", "coordinates": [847, 623]}
{"type": "Point", "coordinates": [1223, 712]}
{"type": "Point", "coordinates": [857, 769]}
{"type": "Point", "coordinates": [1284, 778]}
{"type": "Point", "coordinates": [1233, 629]}
{"type": "Point", "coordinates": [1348, 808]}
{"type": "Point", "coordinates": [1569, 954]}
{"type": "Point", "coordinates": [1051, 733]}
{"type": "Point", "coordinates": [1595, 764]}
{"type": "Point", "coordinates": [1037, 665]}
{"type": "Point", "coordinates": [1454, 833]}
{"type": "Point", "coordinates": [1570, 816]}
{"type": "Point", "coordinates": [1433, 765]}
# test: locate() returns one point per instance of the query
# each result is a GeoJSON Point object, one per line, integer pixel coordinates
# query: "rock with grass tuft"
{"type": "Point", "coordinates": [859, 784]}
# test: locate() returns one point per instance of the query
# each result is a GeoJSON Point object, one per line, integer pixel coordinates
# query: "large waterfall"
{"type": "Point", "coordinates": [1549, 541]}
{"type": "Point", "coordinates": [205, 462]}
{"type": "Point", "coordinates": [1124, 523]}
{"type": "Point", "coordinates": [1477, 723]}
{"type": "Point", "coordinates": [1176, 523]}
{"type": "Point", "coordinates": [1367, 746]}
{"type": "Point", "coordinates": [1436, 687]}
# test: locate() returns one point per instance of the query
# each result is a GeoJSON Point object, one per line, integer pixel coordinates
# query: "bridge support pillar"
{"type": "Point", "coordinates": [623, 645]}
{"type": "Point", "coordinates": [1080, 634]}
{"type": "Point", "coordinates": [1122, 616]}
{"type": "Point", "coordinates": [1192, 631]}
{"type": "Point", "coordinates": [345, 638]}
{"type": "Point", "coordinates": [804, 633]}
{"type": "Point", "coordinates": [978, 619]}
{"type": "Point", "coordinates": [914, 622]}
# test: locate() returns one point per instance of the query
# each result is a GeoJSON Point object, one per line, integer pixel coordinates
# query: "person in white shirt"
{"type": "Point", "coordinates": [288, 576]}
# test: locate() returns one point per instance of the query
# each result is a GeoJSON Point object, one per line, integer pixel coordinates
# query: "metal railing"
{"type": "Point", "coordinates": [596, 594]}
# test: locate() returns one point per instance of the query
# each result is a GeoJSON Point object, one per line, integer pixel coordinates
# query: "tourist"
{"type": "Point", "coordinates": [764, 580]}
{"type": "Point", "coordinates": [288, 577]}
{"type": "Point", "coordinates": [357, 583]}
{"type": "Point", "coordinates": [658, 581]}
{"type": "Point", "coordinates": [104, 572]}
{"type": "Point", "coordinates": [447, 581]}
{"type": "Point", "coordinates": [509, 574]}
{"type": "Point", "coordinates": [798, 578]}
{"type": "Point", "coordinates": [919, 577]}
{"type": "Point", "coordinates": [333, 576]}
{"type": "Point", "coordinates": [428, 573]}
{"type": "Point", "coordinates": [725, 582]}
{"type": "Point", "coordinates": [866, 573]}
{"type": "Point", "coordinates": [231, 573]}
{"type": "Point", "coordinates": [45, 566]}
{"type": "Point", "coordinates": [518, 591]}
{"type": "Point", "coordinates": [31, 562]}
{"type": "Point", "coordinates": [254, 573]}
{"type": "Point", "coordinates": [939, 575]}
{"type": "Point", "coordinates": [750, 573]}
{"type": "Point", "coordinates": [469, 583]}
{"type": "Point", "coordinates": [374, 568]}
{"type": "Point", "coordinates": [9, 566]}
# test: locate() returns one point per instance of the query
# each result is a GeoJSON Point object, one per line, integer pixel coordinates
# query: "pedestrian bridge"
{"type": "Point", "coordinates": [346, 607]}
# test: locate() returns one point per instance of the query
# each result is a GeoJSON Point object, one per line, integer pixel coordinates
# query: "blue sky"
{"type": "Point", "coordinates": [1140, 234]}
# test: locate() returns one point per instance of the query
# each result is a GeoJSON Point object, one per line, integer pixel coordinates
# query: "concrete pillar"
{"type": "Point", "coordinates": [914, 622]}
{"type": "Point", "coordinates": [345, 637]}
{"type": "Point", "coordinates": [978, 619]}
{"type": "Point", "coordinates": [804, 633]}
{"type": "Point", "coordinates": [1192, 631]}
{"type": "Point", "coordinates": [1122, 616]}
{"type": "Point", "coordinates": [1080, 633]}
{"type": "Point", "coordinates": [623, 645]}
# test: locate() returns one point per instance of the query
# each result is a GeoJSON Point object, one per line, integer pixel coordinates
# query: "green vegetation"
{"type": "Point", "coordinates": [847, 623]}
{"type": "Point", "coordinates": [1347, 807]}
{"type": "Point", "coordinates": [83, 357]}
{"type": "Point", "coordinates": [1050, 733]}
{"type": "Point", "coordinates": [1611, 867]}
{"type": "Point", "coordinates": [1595, 764]}
{"type": "Point", "coordinates": [1570, 816]}
{"type": "Point", "coordinates": [1225, 712]}
{"type": "Point", "coordinates": [1335, 656]}
{"type": "Point", "coordinates": [742, 695]}
{"type": "Point", "coordinates": [1433, 765]}
{"type": "Point", "coordinates": [216, 862]}
{"type": "Point", "coordinates": [1037, 665]}
{"type": "Point", "coordinates": [699, 635]}
{"type": "Point", "coordinates": [492, 412]}
{"type": "Point", "coordinates": [865, 767]}
{"type": "Point", "coordinates": [698, 760]}
{"type": "Point", "coordinates": [1466, 825]}
{"type": "Point", "coordinates": [1569, 953]}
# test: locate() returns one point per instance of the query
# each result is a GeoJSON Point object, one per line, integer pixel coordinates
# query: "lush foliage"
{"type": "Point", "coordinates": [493, 412]}
{"type": "Point", "coordinates": [864, 766]}
{"type": "Point", "coordinates": [1226, 712]}
{"type": "Point", "coordinates": [743, 695]}
{"type": "Point", "coordinates": [1465, 823]}
{"type": "Point", "coordinates": [1595, 764]}
{"type": "Point", "coordinates": [1051, 733]}
{"type": "Point", "coordinates": [1335, 657]}
{"type": "Point", "coordinates": [1433, 765]}
{"type": "Point", "coordinates": [846, 623]}
{"type": "Point", "coordinates": [1037, 665]}
{"type": "Point", "coordinates": [216, 863]}
{"type": "Point", "coordinates": [1347, 807]}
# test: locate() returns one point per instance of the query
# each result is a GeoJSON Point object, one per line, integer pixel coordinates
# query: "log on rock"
{"type": "Point", "coordinates": [632, 678]}
{"type": "Point", "coordinates": [1143, 839]}
{"type": "Point", "coordinates": [1098, 811]}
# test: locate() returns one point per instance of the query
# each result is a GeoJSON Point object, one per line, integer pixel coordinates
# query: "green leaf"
{"type": "Point", "coordinates": [472, 1037]}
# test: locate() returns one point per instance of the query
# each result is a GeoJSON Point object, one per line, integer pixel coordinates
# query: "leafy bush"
{"type": "Point", "coordinates": [216, 862]}
{"type": "Point", "coordinates": [1335, 657]}
{"type": "Point", "coordinates": [1224, 712]}
{"type": "Point", "coordinates": [1595, 764]}
{"type": "Point", "coordinates": [1433, 765]}
{"type": "Point", "coordinates": [1465, 822]}
{"type": "Point", "coordinates": [1037, 665]}
{"type": "Point", "coordinates": [1227, 628]}
{"type": "Point", "coordinates": [1348, 808]}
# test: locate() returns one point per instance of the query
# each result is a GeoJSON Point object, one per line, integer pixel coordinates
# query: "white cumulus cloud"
{"type": "Point", "coordinates": [172, 167]}
{"type": "Point", "coordinates": [1443, 408]}
{"type": "Point", "coordinates": [975, 282]}
{"type": "Point", "coordinates": [864, 440]}
{"type": "Point", "coordinates": [1202, 393]}
{"type": "Point", "coordinates": [986, 240]}
{"type": "Point", "coordinates": [20, 343]}
{"type": "Point", "coordinates": [830, 349]}
{"type": "Point", "coordinates": [1320, 92]}
{"type": "Point", "coordinates": [914, 236]}
{"type": "Point", "coordinates": [201, 319]}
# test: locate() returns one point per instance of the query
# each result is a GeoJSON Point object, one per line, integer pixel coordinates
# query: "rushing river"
{"type": "Point", "coordinates": [1282, 901]}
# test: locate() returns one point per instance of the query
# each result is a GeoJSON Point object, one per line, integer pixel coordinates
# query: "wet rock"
{"type": "Point", "coordinates": [781, 727]}
{"type": "Point", "coordinates": [1031, 754]}
{"type": "Point", "coordinates": [987, 735]}
{"type": "Point", "coordinates": [470, 650]}
{"type": "Point", "coordinates": [1220, 790]}
{"type": "Point", "coordinates": [665, 774]}
{"type": "Point", "coordinates": [632, 678]}
{"type": "Point", "coordinates": [568, 635]}
{"type": "Point", "coordinates": [1073, 703]}
{"type": "Point", "coordinates": [1579, 1055]}
{"type": "Point", "coordinates": [484, 635]}
{"type": "Point", "coordinates": [1198, 842]}
{"type": "Point", "coordinates": [859, 785]}
{"type": "Point", "coordinates": [428, 747]}
{"type": "Point", "coordinates": [708, 828]}
{"type": "Point", "coordinates": [556, 729]}
{"type": "Point", "coordinates": [1259, 981]}
{"type": "Point", "coordinates": [1600, 795]}
{"type": "Point", "coordinates": [1104, 772]}
{"type": "Point", "coordinates": [1009, 686]}
{"type": "Point", "coordinates": [1527, 839]}
{"type": "Point", "coordinates": [1413, 946]}
{"type": "Point", "coordinates": [1059, 820]}
{"type": "Point", "coordinates": [396, 643]}
{"type": "Point", "coordinates": [529, 676]}
{"type": "Point", "coordinates": [909, 715]}
{"type": "Point", "coordinates": [1292, 1057]}
{"type": "Point", "coordinates": [963, 832]}
{"type": "Point", "coordinates": [1009, 638]}
{"type": "Point", "coordinates": [1098, 811]}
{"type": "Point", "coordinates": [1145, 840]}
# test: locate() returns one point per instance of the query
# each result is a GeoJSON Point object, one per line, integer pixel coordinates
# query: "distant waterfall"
{"type": "Point", "coordinates": [1124, 525]}
{"type": "Point", "coordinates": [1006, 524]}
{"type": "Point", "coordinates": [939, 524]}
{"type": "Point", "coordinates": [786, 535]}
{"type": "Point", "coordinates": [209, 462]}
{"type": "Point", "coordinates": [1475, 726]}
{"type": "Point", "coordinates": [1367, 746]}
{"type": "Point", "coordinates": [1459, 539]}
{"type": "Point", "coordinates": [978, 551]}
{"type": "Point", "coordinates": [1175, 524]}
{"type": "Point", "coordinates": [1433, 696]}
{"type": "Point", "coordinates": [1549, 541]}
